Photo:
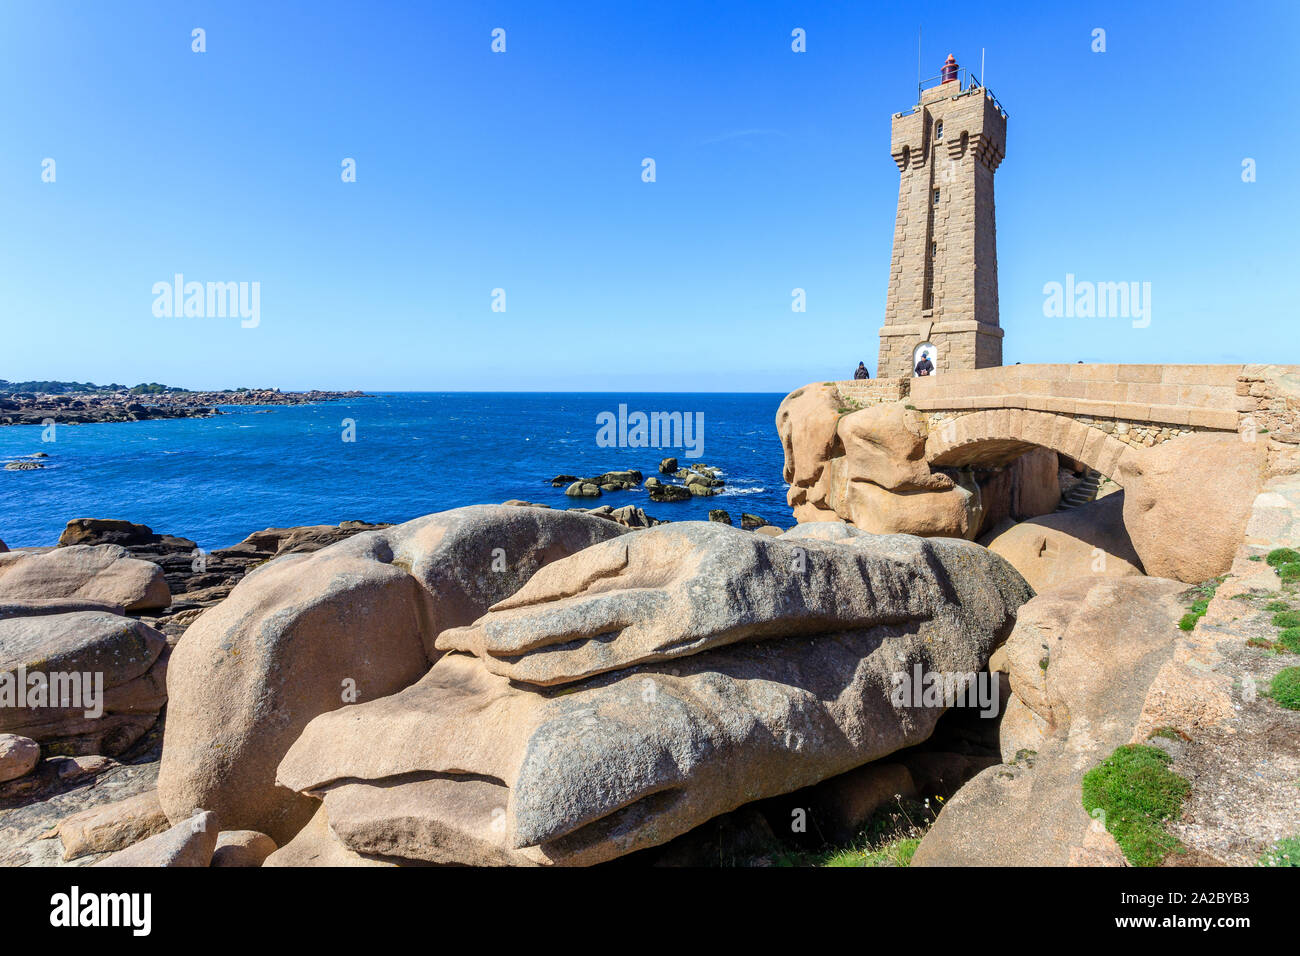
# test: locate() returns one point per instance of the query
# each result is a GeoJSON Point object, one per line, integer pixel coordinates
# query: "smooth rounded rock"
{"type": "Point", "coordinates": [18, 756]}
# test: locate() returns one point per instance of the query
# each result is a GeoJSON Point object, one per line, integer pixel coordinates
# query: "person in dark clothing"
{"type": "Point", "coordinates": [861, 372]}
{"type": "Point", "coordinates": [925, 366]}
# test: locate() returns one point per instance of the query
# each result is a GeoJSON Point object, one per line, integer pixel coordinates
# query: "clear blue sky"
{"type": "Point", "coordinates": [523, 171]}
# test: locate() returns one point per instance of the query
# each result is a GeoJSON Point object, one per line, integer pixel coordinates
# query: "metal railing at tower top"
{"type": "Point", "coordinates": [966, 82]}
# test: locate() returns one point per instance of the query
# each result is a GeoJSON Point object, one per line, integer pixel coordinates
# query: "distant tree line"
{"type": "Point", "coordinates": [81, 388]}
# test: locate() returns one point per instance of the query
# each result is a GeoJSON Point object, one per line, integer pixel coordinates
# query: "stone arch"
{"type": "Point", "coordinates": [997, 436]}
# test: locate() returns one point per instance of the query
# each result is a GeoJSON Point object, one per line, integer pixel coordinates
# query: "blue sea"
{"type": "Point", "coordinates": [218, 479]}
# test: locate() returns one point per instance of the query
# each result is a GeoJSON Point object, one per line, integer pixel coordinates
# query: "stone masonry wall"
{"type": "Point", "coordinates": [943, 271]}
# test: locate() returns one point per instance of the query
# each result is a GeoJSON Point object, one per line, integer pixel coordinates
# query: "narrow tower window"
{"type": "Point", "coordinates": [934, 249]}
{"type": "Point", "coordinates": [936, 197]}
{"type": "Point", "coordinates": [938, 131]}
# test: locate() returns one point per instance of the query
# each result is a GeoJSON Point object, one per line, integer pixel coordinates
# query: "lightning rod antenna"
{"type": "Point", "coordinates": [918, 58]}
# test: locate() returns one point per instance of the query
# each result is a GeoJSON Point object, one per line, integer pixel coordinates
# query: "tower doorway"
{"type": "Point", "coordinates": [925, 351]}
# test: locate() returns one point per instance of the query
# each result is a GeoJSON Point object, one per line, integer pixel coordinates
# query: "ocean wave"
{"type": "Point", "coordinates": [725, 492]}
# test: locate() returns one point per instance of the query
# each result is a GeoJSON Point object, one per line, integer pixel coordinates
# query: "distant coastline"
{"type": "Point", "coordinates": [72, 403]}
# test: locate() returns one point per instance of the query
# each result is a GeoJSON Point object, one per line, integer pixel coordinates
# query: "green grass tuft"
{"type": "Point", "coordinates": [1286, 619]}
{"type": "Point", "coordinates": [1277, 606]}
{"type": "Point", "coordinates": [1285, 689]}
{"type": "Point", "coordinates": [898, 853]}
{"type": "Point", "coordinates": [1280, 556]}
{"type": "Point", "coordinates": [1199, 606]}
{"type": "Point", "coordinates": [1285, 852]}
{"type": "Point", "coordinates": [1137, 792]}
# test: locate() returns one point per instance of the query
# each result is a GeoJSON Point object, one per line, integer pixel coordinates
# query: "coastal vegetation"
{"type": "Point", "coordinates": [1134, 792]}
{"type": "Point", "coordinates": [1285, 852]}
{"type": "Point", "coordinates": [1200, 605]}
{"type": "Point", "coordinates": [1285, 688]}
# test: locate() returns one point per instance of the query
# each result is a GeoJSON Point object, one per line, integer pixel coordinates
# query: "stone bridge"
{"type": "Point", "coordinates": [1192, 446]}
{"type": "Point", "coordinates": [1095, 414]}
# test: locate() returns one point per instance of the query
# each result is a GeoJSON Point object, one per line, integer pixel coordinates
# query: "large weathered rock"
{"type": "Point", "coordinates": [112, 826]}
{"type": "Point", "coordinates": [806, 421]}
{"type": "Point", "coordinates": [952, 513]}
{"type": "Point", "coordinates": [293, 640]}
{"type": "Point", "coordinates": [1081, 659]}
{"type": "Point", "coordinates": [1086, 652]}
{"type": "Point", "coordinates": [92, 531]}
{"type": "Point", "coordinates": [242, 848]}
{"type": "Point", "coordinates": [300, 540]}
{"type": "Point", "coordinates": [187, 844]}
{"type": "Point", "coordinates": [868, 467]}
{"type": "Point", "coordinates": [305, 634]}
{"type": "Point", "coordinates": [106, 573]}
{"type": "Point", "coordinates": [683, 588]}
{"type": "Point", "coordinates": [469, 766]}
{"type": "Point", "coordinates": [1084, 543]}
{"type": "Point", "coordinates": [885, 445]}
{"type": "Point", "coordinates": [38, 607]}
{"type": "Point", "coordinates": [18, 755]}
{"type": "Point", "coordinates": [1187, 501]}
{"type": "Point", "coordinates": [75, 656]}
{"type": "Point", "coordinates": [316, 845]}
